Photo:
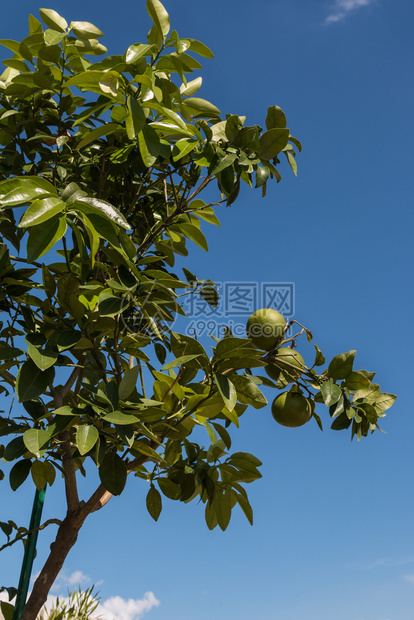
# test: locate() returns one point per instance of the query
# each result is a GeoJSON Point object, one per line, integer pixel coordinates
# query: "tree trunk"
{"type": "Point", "coordinates": [66, 537]}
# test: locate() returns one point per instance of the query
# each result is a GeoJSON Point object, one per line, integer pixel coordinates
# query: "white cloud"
{"type": "Point", "coordinates": [343, 7]}
{"type": "Point", "coordinates": [113, 608]}
{"type": "Point", "coordinates": [117, 608]}
{"type": "Point", "coordinates": [409, 578]}
{"type": "Point", "coordinates": [76, 578]}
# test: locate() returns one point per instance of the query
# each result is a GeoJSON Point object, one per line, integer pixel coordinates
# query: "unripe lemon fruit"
{"type": "Point", "coordinates": [285, 354]}
{"type": "Point", "coordinates": [265, 328]}
{"type": "Point", "coordinates": [291, 409]}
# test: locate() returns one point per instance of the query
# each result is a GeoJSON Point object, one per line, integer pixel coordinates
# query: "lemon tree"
{"type": "Point", "coordinates": [103, 165]}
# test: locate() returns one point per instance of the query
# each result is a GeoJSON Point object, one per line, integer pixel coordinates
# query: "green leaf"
{"type": "Point", "coordinates": [275, 118]}
{"type": "Point", "coordinates": [227, 390]}
{"type": "Point", "coordinates": [109, 83]}
{"type": "Point", "coordinates": [86, 438]}
{"type": "Point", "coordinates": [224, 163]}
{"type": "Point", "coordinates": [32, 382]}
{"type": "Point", "coordinates": [8, 353]}
{"type": "Point", "coordinates": [356, 380]}
{"type": "Point", "coordinates": [200, 48]}
{"type": "Point", "coordinates": [19, 473]}
{"type": "Point", "coordinates": [331, 393]}
{"type": "Point", "coordinates": [169, 488]}
{"type": "Point", "coordinates": [384, 401]}
{"type": "Point", "coordinates": [128, 383]}
{"type": "Point", "coordinates": [18, 190]}
{"type": "Point", "coordinates": [42, 474]}
{"type": "Point", "coordinates": [102, 207]}
{"type": "Point", "coordinates": [52, 37]}
{"type": "Point", "coordinates": [222, 502]}
{"type": "Point", "coordinates": [154, 502]}
{"type": "Point", "coordinates": [292, 162]}
{"type": "Point", "coordinates": [143, 448]}
{"type": "Point", "coordinates": [111, 305]}
{"type": "Point", "coordinates": [199, 106]}
{"type": "Point", "coordinates": [53, 19]}
{"type": "Point", "coordinates": [272, 142]}
{"type": "Point", "coordinates": [262, 175]}
{"type": "Point", "coordinates": [193, 233]}
{"type": "Point", "coordinates": [159, 16]}
{"type": "Point", "coordinates": [341, 365]}
{"type": "Point", "coordinates": [36, 441]}
{"type": "Point", "coordinates": [319, 358]}
{"type": "Point", "coordinates": [248, 392]}
{"type": "Point", "coordinates": [369, 393]}
{"type": "Point", "coordinates": [43, 358]}
{"type": "Point", "coordinates": [136, 118]}
{"type": "Point", "coordinates": [191, 87]}
{"type": "Point", "coordinates": [135, 52]}
{"type": "Point", "coordinates": [96, 133]}
{"type": "Point", "coordinates": [341, 422]}
{"type": "Point", "coordinates": [86, 30]}
{"type": "Point", "coordinates": [44, 236]}
{"type": "Point", "coordinates": [117, 417]}
{"type": "Point", "coordinates": [113, 473]}
{"type": "Point", "coordinates": [149, 145]}
{"type": "Point", "coordinates": [180, 361]}
{"type": "Point", "coordinates": [48, 281]}
{"type": "Point", "coordinates": [245, 506]}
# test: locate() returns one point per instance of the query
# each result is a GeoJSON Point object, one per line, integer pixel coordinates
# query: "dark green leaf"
{"type": "Point", "coordinates": [32, 382]}
{"type": "Point", "coordinates": [275, 118]}
{"type": "Point", "coordinates": [272, 142]}
{"type": "Point", "coordinates": [113, 473]}
{"type": "Point", "coordinates": [128, 383]}
{"type": "Point", "coordinates": [154, 503]}
{"type": "Point", "coordinates": [19, 473]}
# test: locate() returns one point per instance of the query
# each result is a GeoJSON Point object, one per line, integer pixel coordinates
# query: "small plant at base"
{"type": "Point", "coordinates": [80, 605]}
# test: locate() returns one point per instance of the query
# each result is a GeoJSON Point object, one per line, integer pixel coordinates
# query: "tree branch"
{"type": "Point", "coordinates": [27, 532]}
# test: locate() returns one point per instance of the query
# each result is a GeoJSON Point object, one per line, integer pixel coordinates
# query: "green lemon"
{"type": "Point", "coordinates": [291, 409]}
{"type": "Point", "coordinates": [265, 328]}
{"type": "Point", "coordinates": [285, 354]}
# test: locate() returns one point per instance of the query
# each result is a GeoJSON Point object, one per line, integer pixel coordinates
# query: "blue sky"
{"type": "Point", "coordinates": [332, 536]}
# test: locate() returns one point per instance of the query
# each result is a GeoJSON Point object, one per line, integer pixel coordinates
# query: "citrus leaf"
{"type": "Point", "coordinates": [86, 30]}
{"type": "Point", "coordinates": [44, 236]}
{"type": "Point", "coordinates": [248, 393]}
{"type": "Point", "coordinates": [154, 503]}
{"type": "Point", "coordinates": [86, 438]}
{"type": "Point", "coordinates": [341, 365]}
{"type": "Point", "coordinates": [227, 390]}
{"type": "Point", "coordinates": [52, 19]}
{"type": "Point", "coordinates": [36, 441]}
{"type": "Point", "coordinates": [117, 417]}
{"type": "Point", "coordinates": [331, 393]}
{"type": "Point", "coordinates": [272, 142]}
{"type": "Point", "coordinates": [159, 16]}
{"type": "Point", "coordinates": [128, 383]}
{"type": "Point", "coordinates": [113, 473]}
{"type": "Point", "coordinates": [19, 473]}
{"type": "Point", "coordinates": [32, 382]}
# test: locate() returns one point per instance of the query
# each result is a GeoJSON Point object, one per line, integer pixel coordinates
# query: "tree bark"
{"type": "Point", "coordinates": [65, 539]}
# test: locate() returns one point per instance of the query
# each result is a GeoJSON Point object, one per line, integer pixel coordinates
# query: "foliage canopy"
{"type": "Point", "coordinates": [102, 164]}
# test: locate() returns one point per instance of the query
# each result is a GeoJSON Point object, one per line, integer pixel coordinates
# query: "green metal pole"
{"type": "Point", "coordinates": [29, 553]}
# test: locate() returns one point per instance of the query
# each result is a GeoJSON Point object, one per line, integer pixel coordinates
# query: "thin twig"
{"type": "Point", "coordinates": [27, 532]}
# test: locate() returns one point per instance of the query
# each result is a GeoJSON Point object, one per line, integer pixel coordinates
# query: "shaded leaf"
{"type": "Point", "coordinates": [113, 473]}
